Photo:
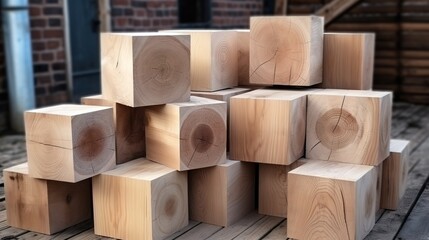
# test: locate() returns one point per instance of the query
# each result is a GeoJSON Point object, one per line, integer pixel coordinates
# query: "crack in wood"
{"type": "Point", "coordinates": [341, 112]}
{"type": "Point", "coordinates": [275, 53]}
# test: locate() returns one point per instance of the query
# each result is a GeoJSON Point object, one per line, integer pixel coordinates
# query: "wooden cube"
{"type": "Point", "coordinates": [44, 206]}
{"type": "Point", "coordinates": [268, 126]}
{"type": "Point", "coordinates": [129, 123]}
{"type": "Point", "coordinates": [69, 142]}
{"type": "Point", "coordinates": [213, 59]}
{"type": "Point", "coordinates": [187, 135]}
{"type": "Point", "coordinates": [395, 173]}
{"type": "Point", "coordinates": [223, 194]}
{"type": "Point", "coordinates": [140, 199]}
{"type": "Point", "coordinates": [243, 45]}
{"type": "Point", "coordinates": [349, 126]}
{"type": "Point", "coordinates": [379, 170]}
{"type": "Point", "coordinates": [330, 200]}
{"type": "Point", "coordinates": [348, 60]}
{"type": "Point", "coordinates": [286, 50]}
{"type": "Point", "coordinates": [272, 192]}
{"type": "Point", "coordinates": [144, 69]}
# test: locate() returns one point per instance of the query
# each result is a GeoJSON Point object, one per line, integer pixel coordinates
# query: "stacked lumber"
{"type": "Point", "coordinates": [157, 152]}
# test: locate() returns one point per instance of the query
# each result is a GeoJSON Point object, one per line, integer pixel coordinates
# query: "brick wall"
{"type": "Point", "coordinates": [47, 34]}
{"type": "Point", "coordinates": [234, 13]}
{"type": "Point", "coordinates": [4, 104]}
{"type": "Point", "coordinates": [143, 15]}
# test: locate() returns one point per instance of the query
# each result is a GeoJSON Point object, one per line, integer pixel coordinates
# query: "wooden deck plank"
{"type": "Point", "coordinates": [191, 225]}
{"type": "Point", "coordinates": [260, 228]}
{"type": "Point", "coordinates": [12, 232]}
{"type": "Point", "coordinates": [279, 232]}
{"type": "Point", "coordinates": [417, 224]}
{"type": "Point", "coordinates": [88, 235]}
{"type": "Point", "coordinates": [201, 231]}
{"type": "Point", "coordinates": [237, 228]}
{"type": "Point", "coordinates": [390, 222]}
{"type": "Point", "coordinates": [68, 233]}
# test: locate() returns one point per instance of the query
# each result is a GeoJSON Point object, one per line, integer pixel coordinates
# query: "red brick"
{"type": "Point", "coordinates": [60, 55]}
{"type": "Point", "coordinates": [43, 80]}
{"type": "Point", "coordinates": [36, 34]}
{"type": "Point", "coordinates": [120, 3]}
{"type": "Point", "coordinates": [57, 33]}
{"type": "Point", "coordinates": [38, 46]}
{"type": "Point", "coordinates": [47, 56]}
{"type": "Point", "coordinates": [35, 11]}
{"type": "Point", "coordinates": [53, 44]}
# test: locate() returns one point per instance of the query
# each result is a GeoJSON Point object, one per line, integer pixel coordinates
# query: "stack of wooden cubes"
{"type": "Point", "coordinates": [155, 141]}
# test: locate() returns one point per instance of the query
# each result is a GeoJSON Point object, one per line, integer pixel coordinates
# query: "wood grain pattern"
{"type": "Point", "coordinates": [379, 170]}
{"type": "Point", "coordinates": [329, 200]}
{"type": "Point", "coordinates": [243, 46]}
{"type": "Point", "coordinates": [213, 59]}
{"type": "Point", "coordinates": [144, 69]}
{"type": "Point", "coordinates": [395, 172]}
{"type": "Point", "coordinates": [286, 50]}
{"type": "Point", "coordinates": [348, 60]}
{"type": "Point", "coordinates": [70, 142]}
{"type": "Point", "coordinates": [140, 199]}
{"type": "Point", "coordinates": [44, 206]}
{"type": "Point", "coordinates": [268, 126]}
{"type": "Point", "coordinates": [129, 125]}
{"type": "Point", "coordinates": [349, 126]}
{"type": "Point", "coordinates": [223, 194]}
{"type": "Point", "coordinates": [187, 135]}
{"type": "Point", "coordinates": [272, 192]}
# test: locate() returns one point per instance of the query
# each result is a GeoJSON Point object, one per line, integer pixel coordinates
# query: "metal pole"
{"type": "Point", "coordinates": [19, 62]}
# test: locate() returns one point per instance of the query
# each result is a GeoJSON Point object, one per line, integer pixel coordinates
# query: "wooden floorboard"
{"type": "Point", "coordinates": [410, 221]}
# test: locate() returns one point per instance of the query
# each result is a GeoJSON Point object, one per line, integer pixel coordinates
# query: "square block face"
{"type": "Point", "coordinates": [187, 135]}
{"type": "Point", "coordinates": [286, 50]}
{"type": "Point", "coordinates": [328, 200]}
{"type": "Point", "coordinates": [129, 123]}
{"type": "Point", "coordinates": [273, 188]}
{"type": "Point", "coordinates": [140, 199]}
{"type": "Point", "coordinates": [268, 126]}
{"type": "Point", "coordinates": [223, 194]}
{"type": "Point", "coordinates": [349, 126]}
{"type": "Point", "coordinates": [41, 205]}
{"type": "Point", "coordinates": [70, 142]}
{"type": "Point", "coordinates": [144, 69]}
{"type": "Point", "coordinates": [348, 60]}
{"type": "Point", "coordinates": [395, 173]}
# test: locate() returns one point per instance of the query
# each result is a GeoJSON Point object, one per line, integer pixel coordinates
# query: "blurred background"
{"type": "Point", "coordinates": [63, 40]}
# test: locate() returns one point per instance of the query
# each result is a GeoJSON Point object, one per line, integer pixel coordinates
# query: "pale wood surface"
{"type": "Point", "coordinates": [187, 135]}
{"type": "Point", "coordinates": [286, 50]}
{"type": "Point", "coordinates": [70, 142]}
{"type": "Point", "coordinates": [268, 126]}
{"type": "Point", "coordinates": [272, 194]}
{"type": "Point", "coordinates": [140, 199]}
{"type": "Point", "coordinates": [343, 195]}
{"type": "Point", "coordinates": [223, 194]}
{"type": "Point", "coordinates": [40, 205]}
{"type": "Point", "coordinates": [409, 122]}
{"type": "Point", "coordinates": [129, 125]}
{"type": "Point", "coordinates": [348, 60]}
{"type": "Point", "coordinates": [349, 126]}
{"type": "Point", "coordinates": [144, 69]}
{"type": "Point", "coordinates": [243, 45]}
{"type": "Point", "coordinates": [395, 170]}
{"type": "Point", "coordinates": [213, 59]}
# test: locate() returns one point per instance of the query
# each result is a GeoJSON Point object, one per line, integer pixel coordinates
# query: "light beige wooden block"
{"type": "Point", "coordinates": [272, 192]}
{"type": "Point", "coordinates": [286, 50]}
{"type": "Point", "coordinates": [44, 206]}
{"type": "Point", "coordinates": [129, 124]}
{"type": "Point", "coordinates": [140, 199]}
{"type": "Point", "coordinates": [379, 170]}
{"type": "Point", "coordinates": [144, 69]}
{"type": "Point", "coordinates": [348, 60]}
{"type": "Point", "coordinates": [268, 126]}
{"type": "Point", "coordinates": [243, 45]}
{"type": "Point", "coordinates": [395, 173]}
{"type": "Point", "coordinates": [330, 200]}
{"type": "Point", "coordinates": [349, 126]}
{"type": "Point", "coordinates": [213, 59]}
{"type": "Point", "coordinates": [69, 142]}
{"type": "Point", "coordinates": [223, 194]}
{"type": "Point", "coordinates": [187, 135]}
